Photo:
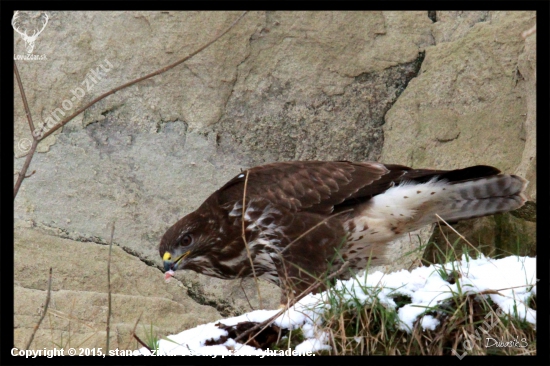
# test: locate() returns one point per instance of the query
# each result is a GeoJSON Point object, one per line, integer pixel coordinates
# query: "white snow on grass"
{"type": "Point", "coordinates": [511, 281]}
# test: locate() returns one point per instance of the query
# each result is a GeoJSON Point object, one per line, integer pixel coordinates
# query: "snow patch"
{"type": "Point", "coordinates": [512, 282]}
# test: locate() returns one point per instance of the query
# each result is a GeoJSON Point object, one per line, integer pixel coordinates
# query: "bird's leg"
{"type": "Point", "coordinates": [296, 282]}
{"type": "Point", "coordinates": [284, 299]}
{"type": "Point", "coordinates": [292, 281]}
{"type": "Point", "coordinates": [309, 257]}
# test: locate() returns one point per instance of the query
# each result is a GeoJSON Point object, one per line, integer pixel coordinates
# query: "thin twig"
{"type": "Point", "coordinates": [41, 137]}
{"type": "Point", "coordinates": [164, 69]}
{"type": "Point", "coordinates": [23, 97]}
{"type": "Point", "coordinates": [291, 303]}
{"type": "Point", "coordinates": [245, 295]}
{"type": "Point", "coordinates": [69, 317]}
{"type": "Point", "coordinates": [44, 312]}
{"type": "Point", "coordinates": [134, 330]}
{"type": "Point", "coordinates": [109, 287]}
{"type": "Point", "coordinates": [30, 175]}
{"type": "Point", "coordinates": [246, 243]}
{"type": "Point", "coordinates": [23, 173]}
{"type": "Point", "coordinates": [84, 341]}
{"type": "Point", "coordinates": [142, 343]}
{"type": "Point", "coordinates": [513, 287]}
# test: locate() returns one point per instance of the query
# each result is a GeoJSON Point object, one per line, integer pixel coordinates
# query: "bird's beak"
{"type": "Point", "coordinates": [170, 264]}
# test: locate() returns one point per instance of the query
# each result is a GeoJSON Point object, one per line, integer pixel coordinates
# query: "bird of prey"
{"type": "Point", "coordinates": [303, 220]}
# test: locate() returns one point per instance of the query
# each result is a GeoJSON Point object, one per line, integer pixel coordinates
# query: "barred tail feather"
{"type": "Point", "coordinates": [481, 197]}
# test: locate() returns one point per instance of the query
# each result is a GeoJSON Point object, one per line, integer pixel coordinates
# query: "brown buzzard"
{"type": "Point", "coordinates": [304, 219]}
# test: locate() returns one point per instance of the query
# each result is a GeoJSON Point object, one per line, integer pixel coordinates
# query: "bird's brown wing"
{"type": "Point", "coordinates": [313, 186]}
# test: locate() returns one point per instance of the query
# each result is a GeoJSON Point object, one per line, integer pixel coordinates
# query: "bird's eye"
{"type": "Point", "coordinates": [186, 240]}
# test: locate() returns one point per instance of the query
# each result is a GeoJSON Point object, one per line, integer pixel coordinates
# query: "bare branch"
{"type": "Point", "coordinates": [24, 98]}
{"type": "Point", "coordinates": [41, 137]}
{"type": "Point", "coordinates": [30, 175]}
{"type": "Point", "coordinates": [142, 343]}
{"type": "Point", "coordinates": [164, 69]}
{"type": "Point", "coordinates": [22, 174]}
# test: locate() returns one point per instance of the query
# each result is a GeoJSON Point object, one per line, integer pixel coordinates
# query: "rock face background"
{"type": "Point", "coordinates": [425, 89]}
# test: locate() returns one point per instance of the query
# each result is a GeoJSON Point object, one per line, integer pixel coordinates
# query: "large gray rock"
{"type": "Point", "coordinates": [316, 85]}
{"type": "Point", "coordinates": [467, 106]}
{"type": "Point", "coordinates": [473, 103]}
{"type": "Point", "coordinates": [152, 153]}
{"type": "Point", "coordinates": [135, 44]}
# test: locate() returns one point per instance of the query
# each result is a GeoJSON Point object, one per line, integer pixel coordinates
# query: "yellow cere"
{"type": "Point", "coordinates": [166, 256]}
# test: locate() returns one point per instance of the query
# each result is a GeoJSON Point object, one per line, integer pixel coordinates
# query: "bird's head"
{"type": "Point", "coordinates": [190, 242]}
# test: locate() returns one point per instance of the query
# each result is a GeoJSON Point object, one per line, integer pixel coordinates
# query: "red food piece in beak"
{"type": "Point", "coordinates": [168, 275]}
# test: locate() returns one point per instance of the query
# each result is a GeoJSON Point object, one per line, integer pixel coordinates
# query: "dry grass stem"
{"type": "Point", "coordinates": [134, 330]}
{"type": "Point", "coordinates": [43, 313]}
{"type": "Point", "coordinates": [109, 302]}
{"type": "Point", "coordinates": [246, 243]}
{"type": "Point", "coordinates": [313, 228]}
{"type": "Point", "coordinates": [457, 233]}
